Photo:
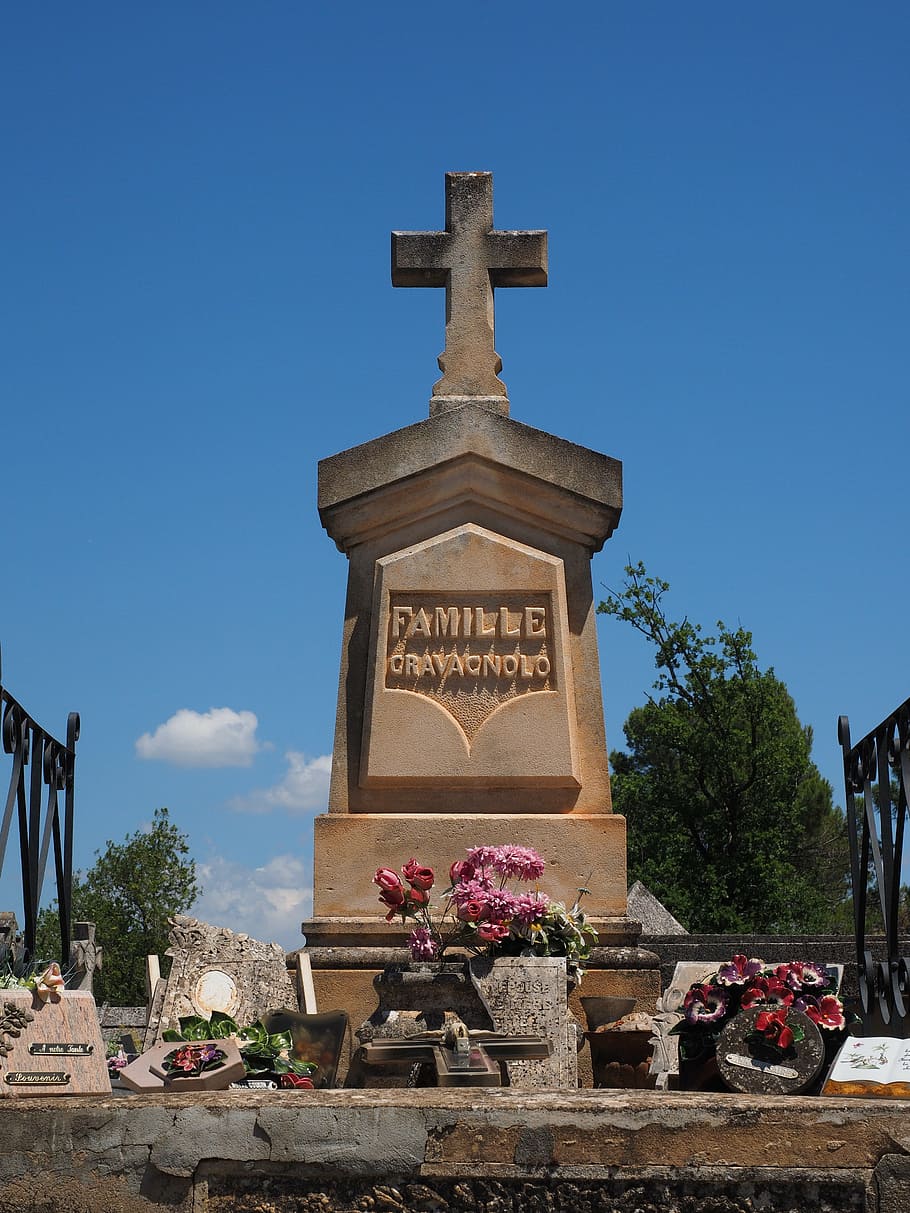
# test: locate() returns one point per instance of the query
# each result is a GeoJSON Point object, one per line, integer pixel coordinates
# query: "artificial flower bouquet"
{"type": "Point", "coordinates": [743, 984]}
{"type": "Point", "coordinates": [480, 912]}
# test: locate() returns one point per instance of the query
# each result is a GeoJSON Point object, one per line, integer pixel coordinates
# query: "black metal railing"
{"type": "Point", "coordinates": [42, 768]}
{"type": "Point", "coordinates": [877, 775]}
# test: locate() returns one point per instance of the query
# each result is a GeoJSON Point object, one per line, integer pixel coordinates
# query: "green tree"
{"type": "Point", "coordinates": [729, 821]}
{"type": "Point", "coordinates": [130, 891]}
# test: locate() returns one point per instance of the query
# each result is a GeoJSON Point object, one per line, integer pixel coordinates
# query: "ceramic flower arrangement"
{"type": "Point", "coordinates": [743, 984]}
{"type": "Point", "coordinates": [265, 1054]}
{"type": "Point", "coordinates": [480, 911]}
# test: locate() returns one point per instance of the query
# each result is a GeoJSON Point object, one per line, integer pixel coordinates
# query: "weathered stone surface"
{"type": "Point", "coordinates": [526, 995]}
{"type": "Point", "coordinates": [653, 915]}
{"type": "Point", "coordinates": [215, 969]}
{"type": "Point", "coordinates": [469, 654]}
{"type": "Point", "coordinates": [468, 259]}
{"type": "Point", "coordinates": [506, 1151]}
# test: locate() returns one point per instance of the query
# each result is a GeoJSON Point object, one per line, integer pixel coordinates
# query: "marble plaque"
{"type": "Point", "coordinates": [526, 995]}
{"type": "Point", "coordinates": [51, 1047]}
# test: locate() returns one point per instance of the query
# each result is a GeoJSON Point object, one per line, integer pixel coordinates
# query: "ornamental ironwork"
{"type": "Point", "coordinates": [40, 800]}
{"type": "Point", "coordinates": [877, 781]}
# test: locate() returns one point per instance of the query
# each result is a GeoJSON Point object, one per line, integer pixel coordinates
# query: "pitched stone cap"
{"type": "Point", "coordinates": [653, 915]}
{"type": "Point", "coordinates": [470, 454]}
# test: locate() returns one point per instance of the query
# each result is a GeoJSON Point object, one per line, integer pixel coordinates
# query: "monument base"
{"type": "Point", "coordinates": [582, 851]}
{"type": "Point", "coordinates": [343, 979]}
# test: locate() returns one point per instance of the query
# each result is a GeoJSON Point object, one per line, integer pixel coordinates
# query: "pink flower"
{"type": "Point", "coordinates": [522, 862]}
{"type": "Point", "coordinates": [492, 932]}
{"type": "Point", "coordinates": [705, 1004]}
{"type": "Point", "coordinates": [481, 857]}
{"type": "Point", "coordinates": [530, 907]}
{"type": "Point", "coordinates": [766, 990]}
{"type": "Point", "coordinates": [802, 975]}
{"type": "Point", "coordinates": [471, 890]}
{"type": "Point", "coordinates": [418, 876]}
{"type": "Point", "coordinates": [500, 904]}
{"type": "Point", "coordinates": [422, 945]}
{"type": "Point", "coordinates": [739, 971]}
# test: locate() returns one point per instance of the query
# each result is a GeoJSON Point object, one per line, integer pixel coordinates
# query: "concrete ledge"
{"type": "Point", "coordinates": [428, 1150]}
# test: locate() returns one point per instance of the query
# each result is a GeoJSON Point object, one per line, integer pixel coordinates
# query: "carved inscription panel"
{"type": "Point", "coordinates": [469, 652]}
{"type": "Point", "coordinates": [469, 676]}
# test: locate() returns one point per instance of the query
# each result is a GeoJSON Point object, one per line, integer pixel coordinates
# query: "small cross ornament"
{"type": "Point", "coordinates": [469, 259]}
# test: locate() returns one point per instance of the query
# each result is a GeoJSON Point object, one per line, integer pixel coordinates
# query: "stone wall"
{"type": "Point", "coordinates": [428, 1151]}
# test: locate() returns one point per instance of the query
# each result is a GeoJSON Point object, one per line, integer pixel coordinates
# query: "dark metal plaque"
{"type": "Point", "coordinates": [37, 1078]}
{"type": "Point", "coordinates": [66, 1048]}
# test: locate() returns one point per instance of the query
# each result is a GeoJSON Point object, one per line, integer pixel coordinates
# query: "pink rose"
{"type": "Point", "coordinates": [393, 897]}
{"type": "Point", "coordinates": [492, 932]}
{"type": "Point", "coordinates": [461, 870]}
{"type": "Point", "coordinates": [472, 910]}
{"type": "Point", "coordinates": [387, 879]}
{"type": "Point", "coordinates": [418, 876]}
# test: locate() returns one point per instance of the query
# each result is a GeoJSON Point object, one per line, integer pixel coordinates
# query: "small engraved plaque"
{"type": "Point", "coordinates": [757, 1063]}
{"type": "Point", "coordinates": [37, 1078]}
{"type": "Point", "coordinates": [49, 1048]}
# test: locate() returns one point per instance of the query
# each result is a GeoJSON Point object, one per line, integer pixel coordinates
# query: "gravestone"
{"type": "Point", "coordinates": [51, 1047]}
{"type": "Point", "coordinates": [469, 704]}
{"type": "Point", "coordinates": [526, 995]}
{"type": "Point", "coordinates": [214, 969]}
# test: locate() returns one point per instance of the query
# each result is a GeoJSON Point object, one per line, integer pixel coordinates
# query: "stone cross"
{"type": "Point", "coordinates": [469, 259]}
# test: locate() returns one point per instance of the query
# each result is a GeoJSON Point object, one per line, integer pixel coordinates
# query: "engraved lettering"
{"type": "Point", "coordinates": [411, 662]}
{"type": "Point", "coordinates": [37, 1078]}
{"type": "Point", "coordinates": [440, 663]}
{"type": "Point", "coordinates": [480, 625]}
{"type": "Point", "coordinates": [509, 665]}
{"type": "Point", "coordinates": [400, 617]}
{"type": "Point", "coordinates": [457, 665]}
{"type": "Point", "coordinates": [543, 666]}
{"type": "Point", "coordinates": [535, 621]}
{"type": "Point", "coordinates": [492, 664]}
{"type": "Point", "coordinates": [60, 1049]}
{"type": "Point", "coordinates": [472, 664]}
{"type": "Point", "coordinates": [396, 663]}
{"type": "Point", "coordinates": [505, 628]}
{"type": "Point", "coordinates": [420, 625]}
{"type": "Point", "coordinates": [426, 664]}
{"type": "Point", "coordinates": [447, 620]}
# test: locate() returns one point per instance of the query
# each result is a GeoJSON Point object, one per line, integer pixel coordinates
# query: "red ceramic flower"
{"type": "Point", "coordinates": [296, 1082]}
{"type": "Point", "coordinates": [828, 1014]}
{"type": "Point", "coordinates": [773, 1026]}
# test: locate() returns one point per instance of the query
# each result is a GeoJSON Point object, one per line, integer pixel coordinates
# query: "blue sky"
{"type": "Point", "coordinates": [195, 307]}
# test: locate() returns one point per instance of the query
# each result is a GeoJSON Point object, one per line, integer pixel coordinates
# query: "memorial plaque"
{"type": "Point", "coordinates": [745, 1066]}
{"type": "Point", "coordinates": [147, 1073]}
{"type": "Point", "coordinates": [526, 995]}
{"type": "Point", "coordinates": [51, 1047]}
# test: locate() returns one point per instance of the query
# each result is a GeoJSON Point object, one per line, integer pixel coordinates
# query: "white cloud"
{"type": "Point", "coordinates": [220, 737]}
{"type": "Point", "coordinates": [268, 903]}
{"type": "Point", "coordinates": [305, 787]}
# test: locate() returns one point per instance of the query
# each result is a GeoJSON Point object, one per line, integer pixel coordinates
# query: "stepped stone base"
{"type": "Point", "coordinates": [415, 1150]}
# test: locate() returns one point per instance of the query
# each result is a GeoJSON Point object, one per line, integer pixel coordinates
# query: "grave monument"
{"type": "Point", "coordinates": [469, 701]}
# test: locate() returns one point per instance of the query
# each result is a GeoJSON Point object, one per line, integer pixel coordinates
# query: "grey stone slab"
{"type": "Point", "coordinates": [653, 915]}
{"type": "Point", "coordinates": [526, 995]}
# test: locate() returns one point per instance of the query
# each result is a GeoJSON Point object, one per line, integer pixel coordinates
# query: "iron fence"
{"type": "Point", "coordinates": [877, 780]}
{"type": "Point", "coordinates": [42, 769]}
